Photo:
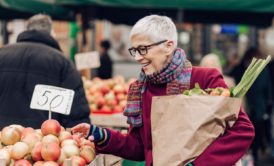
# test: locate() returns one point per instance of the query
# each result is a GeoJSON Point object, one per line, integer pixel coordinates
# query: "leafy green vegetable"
{"type": "Point", "coordinates": [195, 91]}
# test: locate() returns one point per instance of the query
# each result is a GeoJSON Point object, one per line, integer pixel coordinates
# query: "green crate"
{"type": "Point", "coordinates": [132, 163]}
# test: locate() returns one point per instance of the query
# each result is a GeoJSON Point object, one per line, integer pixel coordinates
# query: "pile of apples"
{"type": "Point", "coordinates": [48, 146]}
{"type": "Point", "coordinates": [107, 96]}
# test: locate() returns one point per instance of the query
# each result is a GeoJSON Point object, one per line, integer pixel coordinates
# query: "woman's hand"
{"type": "Point", "coordinates": [96, 134]}
{"type": "Point", "coordinates": [81, 129]}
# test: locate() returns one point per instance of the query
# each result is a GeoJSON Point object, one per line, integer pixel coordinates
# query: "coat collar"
{"type": "Point", "coordinates": [39, 37]}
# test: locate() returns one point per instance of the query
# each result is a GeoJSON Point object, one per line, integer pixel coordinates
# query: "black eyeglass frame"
{"type": "Point", "coordinates": [145, 48]}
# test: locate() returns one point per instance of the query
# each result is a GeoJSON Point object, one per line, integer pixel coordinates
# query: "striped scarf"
{"type": "Point", "coordinates": [176, 74]}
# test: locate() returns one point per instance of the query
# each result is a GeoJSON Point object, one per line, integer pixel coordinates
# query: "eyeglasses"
{"type": "Point", "coordinates": [142, 50]}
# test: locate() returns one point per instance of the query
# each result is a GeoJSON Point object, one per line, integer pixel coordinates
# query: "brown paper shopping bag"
{"type": "Point", "coordinates": [183, 126]}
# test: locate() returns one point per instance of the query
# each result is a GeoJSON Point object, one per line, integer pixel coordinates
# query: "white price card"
{"type": "Point", "coordinates": [52, 98]}
{"type": "Point", "coordinates": [87, 60]}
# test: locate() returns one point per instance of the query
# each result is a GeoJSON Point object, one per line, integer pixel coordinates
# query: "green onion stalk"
{"type": "Point", "coordinates": [250, 75]}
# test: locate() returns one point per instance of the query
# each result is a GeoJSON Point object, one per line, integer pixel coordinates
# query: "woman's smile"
{"type": "Point", "coordinates": [144, 65]}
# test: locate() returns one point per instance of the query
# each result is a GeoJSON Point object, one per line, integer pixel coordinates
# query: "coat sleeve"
{"type": "Point", "coordinates": [227, 149]}
{"type": "Point", "coordinates": [128, 146]}
{"type": "Point", "coordinates": [80, 110]}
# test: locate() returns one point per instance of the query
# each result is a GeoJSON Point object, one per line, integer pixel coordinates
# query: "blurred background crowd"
{"type": "Point", "coordinates": [221, 34]}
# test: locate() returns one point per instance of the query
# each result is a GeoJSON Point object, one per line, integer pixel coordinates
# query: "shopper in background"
{"type": "Point", "coordinates": [165, 71]}
{"type": "Point", "coordinates": [271, 69]}
{"type": "Point", "coordinates": [36, 58]}
{"type": "Point", "coordinates": [212, 60]}
{"type": "Point", "coordinates": [105, 70]}
{"type": "Point", "coordinates": [258, 101]}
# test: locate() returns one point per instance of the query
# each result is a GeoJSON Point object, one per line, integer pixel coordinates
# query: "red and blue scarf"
{"type": "Point", "coordinates": [176, 74]}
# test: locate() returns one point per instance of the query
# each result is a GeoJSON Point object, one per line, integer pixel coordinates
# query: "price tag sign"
{"type": "Point", "coordinates": [87, 60]}
{"type": "Point", "coordinates": [51, 98]}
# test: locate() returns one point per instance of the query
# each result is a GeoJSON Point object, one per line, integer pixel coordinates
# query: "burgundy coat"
{"type": "Point", "coordinates": [225, 150]}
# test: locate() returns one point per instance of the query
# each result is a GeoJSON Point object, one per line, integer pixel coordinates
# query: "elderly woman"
{"type": "Point", "coordinates": [212, 60]}
{"type": "Point", "coordinates": [165, 71]}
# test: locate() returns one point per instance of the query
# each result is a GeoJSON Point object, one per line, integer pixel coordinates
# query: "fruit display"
{"type": "Point", "coordinates": [107, 96]}
{"type": "Point", "coordinates": [48, 146]}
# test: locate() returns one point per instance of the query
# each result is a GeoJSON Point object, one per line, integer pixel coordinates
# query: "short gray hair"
{"type": "Point", "coordinates": [211, 60]}
{"type": "Point", "coordinates": [157, 28]}
{"type": "Point", "coordinates": [40, 22]}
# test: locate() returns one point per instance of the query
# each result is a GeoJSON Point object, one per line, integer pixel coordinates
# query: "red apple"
{"type": "Point", "coordinates": [61, 158]}
{"type": "Point", "coordinates": [27, 131]}
{"type": "Point", "coordinates": [123, 103]}
{"type": "Point", "coordinates": [93, 107]}
{"type": "Point", "coordinates": [104, 89]}
{"type": "Point", "coordinates": [22, 162]}
{"type": "Point", "coordinates": [87, 153]}
{"type": "Point", "coordinates": [97, 79]}
{"type": "Point", "coordinates": [105, 108]}
{"type": "Point", "coordinates": [118, 108]}
{"type": "Point", "coordinates": [50, 163]}
{"type": "Point", "coordinates": [78, 161]}
{"type": "Point", "coordinates": [67, 142]}
{"type": "Point", "coordinates": [90, 98]}
{"type": "Point", "coordinates": [51, 127]}
{"type": "Point", "coordinates": [112, 103]}
{"type": "Point", "coordinates": [19, 127]}
{"type": "Point", "coordinates": [97, 94]}
{"type": "Point", "coordinates": [77, 139]}
{"type": "Point", "coordinates": [4, 154]}
{"type": "Point", "coordinates": [19, 150]}
{"type": "Point", "coordinates": [36, 152]}
{"type": "Point", "coordinates": [10, 135]}
{"type": "Point", "coordinates": [71, 150]}
{"type": "Point", "coordinates": [120, 96]}
{"type": "Point", "coordinates": [39, 163]}
{"type": "Point", "coordinates": [50, 151]}
{"type": "Point", "coordinates": [100, 101]}
{"type": "Point", "coordinates": [8, 148]}
{"type": "Point", "coordinates": [50, 138]}
{"type": "Point", "coordinates": [118, 89]}
{"type": "Point", "coordinates": [31, 139]}
{"type": "Point", "coordinates": [64, 135]}
{"type": "Point", "coordinates": [109, 96]}
{"type": "Point", "coordinates": [38, 132]}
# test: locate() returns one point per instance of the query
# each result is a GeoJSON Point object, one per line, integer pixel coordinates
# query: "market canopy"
{"type": "Point", "coordinates": [253, 12]}
{"type": "Point", "coordinates": [11, 9]}
{"type": "Point", "coordinates": [228, 5]}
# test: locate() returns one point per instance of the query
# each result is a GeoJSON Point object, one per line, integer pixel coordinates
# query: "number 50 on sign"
{"type": "Point", "coordinates": [51, 98]}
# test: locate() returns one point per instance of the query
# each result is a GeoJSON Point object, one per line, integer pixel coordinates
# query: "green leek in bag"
{"type": "Point", "coordinates": [252, 72]}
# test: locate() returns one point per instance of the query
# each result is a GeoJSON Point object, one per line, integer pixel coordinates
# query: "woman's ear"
{"type": "Point", "coordinates": [169, 47]}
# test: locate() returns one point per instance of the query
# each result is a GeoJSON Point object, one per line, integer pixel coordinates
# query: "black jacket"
{"type": "Point", "coordinates": [105, 70]}
{"type": "Point", "coordinates": [36, 59]}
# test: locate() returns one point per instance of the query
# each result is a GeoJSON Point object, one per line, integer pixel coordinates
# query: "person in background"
{"type": "Point", "coordinates": [212, 60]}
{"type": "Point", "coordinates": [271, 69]}
{"type": "Point", "coordinates": [105, 70]}
{"type": "Point", "coordinates": [258, 101]}
{"type": "Point", "coordinates": [165, 71]}
{"type": "Point", "coordinates": [36, 58]}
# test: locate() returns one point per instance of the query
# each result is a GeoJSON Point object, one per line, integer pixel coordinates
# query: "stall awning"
{"type": "Point", "coordinates": [252, 12]}
{"type": "Point", "coordinates": [227, 5]}
{"type": "Point", "coordinates": [11, 9]}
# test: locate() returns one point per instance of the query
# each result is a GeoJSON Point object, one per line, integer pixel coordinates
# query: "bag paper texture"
{"type": "Point", "coordinates": [183, 126]}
